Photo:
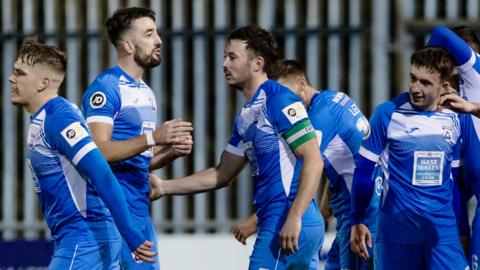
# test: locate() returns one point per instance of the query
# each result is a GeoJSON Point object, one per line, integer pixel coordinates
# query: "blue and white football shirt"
{"type": "Point", "coordinates": [116, 98]}
{"type": "Point", "coordinates": [266, 131]}
{"type": "Point", "coordinates": [58, 140]}
{"type": "Point", "coordinates": [420, 149]}
{"type": "Point", "coordinates": [342, 128]}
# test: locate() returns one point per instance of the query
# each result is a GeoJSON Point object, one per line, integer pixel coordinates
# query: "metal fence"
{"type": "Point", "coordinates": [361, 47]}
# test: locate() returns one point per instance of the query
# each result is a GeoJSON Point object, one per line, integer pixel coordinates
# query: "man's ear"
{"type": "Point", "coordinates": [127, 46]}
{"type": "Point", "coordinates": [259, 63]}
{"type": "Point", "coordinates": [44, 83]}
{"type": "Point", "coordinates": [302, 83]}
{"type": "Point", "coordinates": [445, 87]}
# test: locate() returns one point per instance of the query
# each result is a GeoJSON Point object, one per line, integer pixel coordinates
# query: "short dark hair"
{"type": "Point", "coordinates": [259, 41]}
{"type": "Point", "coordinates": [469, 35]}
{"type": "Point", "coordinates": [435, 59]}
{"type": "Point", "coordinates": [33, 52]}
{"type": "Point", "coordinates": [286, 68]}
{"type": "Point", "coordinates": [122, 20]}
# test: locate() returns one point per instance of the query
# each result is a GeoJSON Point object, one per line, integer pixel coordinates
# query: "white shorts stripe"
{"type": "Point", "coordinates": [73, 258]}
{"type": "Point", "coordinates": [278, 258]}
{"type": "Point", "coordinates": [368, 154]}
{"type": "Point", "coordinates": [83, 151]}
{"type": "Point", "coordinates": [100, 119]}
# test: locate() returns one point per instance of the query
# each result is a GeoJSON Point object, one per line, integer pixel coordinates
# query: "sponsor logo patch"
{"type": "Point", "coordinates": [74, 133]}
{"type": "Point", "coordinates": [295, 112]}
{"type": "Point", "coordinates": [428, 168]}
{"type": "Point", "coordinates": [98, 100]}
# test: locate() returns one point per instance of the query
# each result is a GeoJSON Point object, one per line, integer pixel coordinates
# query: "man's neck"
{"type": "Point", "coordinates": [41, 100]}
{"type": "Point", "coordinates": [129, 65]}
{"type": "Point", "coordinates": [252, 85]}
{"type": "Point", "coordinates": [309, 93]}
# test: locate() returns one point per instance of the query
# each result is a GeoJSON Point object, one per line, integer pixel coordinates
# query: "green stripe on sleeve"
{"type": "Point", "coordinates": [302, 139]}
{"type": "Point", "coordinates": [299, 126]}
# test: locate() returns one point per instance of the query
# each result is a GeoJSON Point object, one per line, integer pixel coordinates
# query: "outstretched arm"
{"type": "Point", "coordinates": [172, 131]}
{"type": "Point", "coordinates": [213, 178]}
{"type": "Point", "coordinates": [165, 154]}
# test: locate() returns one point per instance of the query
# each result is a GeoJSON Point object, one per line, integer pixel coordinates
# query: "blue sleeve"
{"type": "Point", "coordinates": [95, 168]}
{"type": "Point", "coordinates": [460, 203]}
{"type": "Point", "coordinates": [444, 37]}
{"type": "Point", "coordinates": [100, 103]}
{"type": "Point", "coordinates": [355, 127]}
{"type": "Point", "coordinates": [68, 135]}
{"type": "Point", "coordinates": [470, 155]}
{"type": "Point", "coordinates": [362, 188]}
{"type": "Point", "coordinates": [373, 146]}
{"type": "Point", "coordinates": [290, 118]}
{"type": "Point", "coordinates": [235, 143]}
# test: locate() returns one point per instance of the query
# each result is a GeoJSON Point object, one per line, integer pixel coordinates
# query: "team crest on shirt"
{"type": "Point", "coordinates": [447, 133]}
{"type": "Point", "coordinates": [74, 133]}
{"type": "Point", "coordinates": [98, 100]}
{"type": "Point", "coordinates": [363, 126]}
{"type": "Point", "coordinates": [295, 112]}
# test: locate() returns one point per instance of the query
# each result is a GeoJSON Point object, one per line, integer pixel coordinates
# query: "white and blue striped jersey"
{"type": "Point", "coordinates": [266, 131]}
{"type": "Point", "coordinates": [116, 98]}
{"type": "Point", "coordinates": [58, 140]}
{"type": "Point", "coordinates": [420, 149]}
{"type": "Point", "coordinates": [343, 128]}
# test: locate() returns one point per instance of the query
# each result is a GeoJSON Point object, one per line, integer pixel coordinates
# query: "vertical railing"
{"type": "Point", "coordinates": [178, 91]}
{"type": "Point", "coordinates": [313, 44]}
{"type": "Point", "coordinates": [334, 51]}
{"type": "Point", "coordinates": [380, 70]}
{"type": "Point", "coordinates": [200, 95]}
{"type": "Point", "coordinates": [30, 208]}
{"type": "Point", "coordinates": [157, 83]}
{"type": "Point", "coordinates": [356, 64]}
{"type": "Point", "coordinates": [9, 202]}
{"type": "Point", "coordinates": [222, 95]}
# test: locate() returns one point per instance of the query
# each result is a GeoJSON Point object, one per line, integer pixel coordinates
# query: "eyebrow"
{"type": "Point", "coordinates": [19, 70]}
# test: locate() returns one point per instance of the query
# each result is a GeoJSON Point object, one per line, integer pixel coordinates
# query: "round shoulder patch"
{"type": "Point", "coordinates": [98, 100]}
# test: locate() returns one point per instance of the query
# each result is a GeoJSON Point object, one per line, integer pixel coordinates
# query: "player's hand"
{"type": "Point", "coordinates": [183, 147]}
{"type": "Point", "coordinates": [360, 237]}
{"type": "Point", "coordinates": [455, 103]}
{"type": "Point", "coordinates": [289, 235]}
{"type": "Point", "coordinates": [245, 229]}
{"type": "Point", "coordinates": [172, 131]}
{"type": "Point", "coordinates": [144, 252]}
{"type": "Point", "coordinates": [156, 191]}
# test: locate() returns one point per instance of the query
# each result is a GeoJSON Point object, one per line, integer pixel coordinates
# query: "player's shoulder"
{"type": "Point", "coordinates": [398, 103]}
{"type": "Point", "coordinates": [275, 90]}
{"type": "Point", "coordinates": [107, 80]}
{"type": "Point", "coordinates": [60, 112]}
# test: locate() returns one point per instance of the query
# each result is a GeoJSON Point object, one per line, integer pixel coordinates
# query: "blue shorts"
{"type": "Point", "coordinates": [127, 259]}
{"type": "Point", "coordinates": [341, 256]}
{"type": "Point", "coordinates": [86, 255]}
{"type": "Point", "coordinates": [435, 257]}
{"type": "Point", "coordinates": [268, 255]}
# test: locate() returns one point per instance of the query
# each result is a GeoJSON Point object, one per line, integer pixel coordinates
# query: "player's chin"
{"type": "Point", "coordinates": [15, 100]}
